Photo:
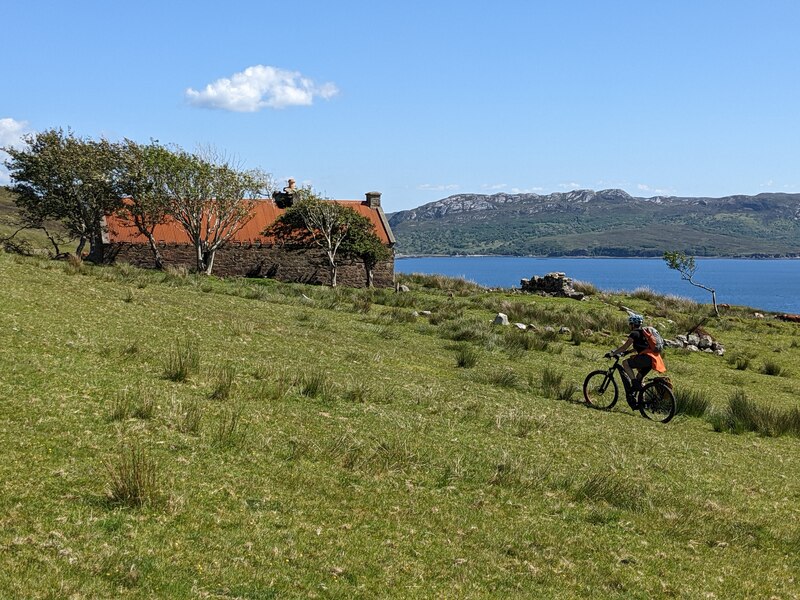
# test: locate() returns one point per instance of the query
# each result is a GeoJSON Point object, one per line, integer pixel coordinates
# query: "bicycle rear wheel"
{"type": "Point", "coordinates": [600, 390]}
{"type": "Point", "coordinates": [657, 402]}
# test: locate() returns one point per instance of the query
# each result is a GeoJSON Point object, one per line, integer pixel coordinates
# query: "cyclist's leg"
{"type": "Point", "coordinates": [643, 364]}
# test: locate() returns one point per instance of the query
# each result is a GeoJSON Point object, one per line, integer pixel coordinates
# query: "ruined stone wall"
{"type": "Point", "coordinates": [307, 265]}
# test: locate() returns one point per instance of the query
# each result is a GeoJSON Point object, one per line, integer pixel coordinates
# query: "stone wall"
{"type": "Point", "coordinates": [306, 265]}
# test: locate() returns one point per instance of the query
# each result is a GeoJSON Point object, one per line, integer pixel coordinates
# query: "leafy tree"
{"type": "Point", "coordinates": [212, 200]}
{"type": "Point", "coordinates": [364, 243]}
{"type": "Point", "coordinates": [61, 177]}
{"type": "Point", "coordinates": [313, 220]}
{"type": "Point", "coordinates": [143, 175]}
{"type": "Point", "coordinates": [685, 265]}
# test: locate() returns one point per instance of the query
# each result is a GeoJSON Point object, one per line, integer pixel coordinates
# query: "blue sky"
{"type": "Point", "coordinates": [421, 100]}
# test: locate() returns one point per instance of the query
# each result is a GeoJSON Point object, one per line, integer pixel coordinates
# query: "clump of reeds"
{"type": "Point", "coordinates": [182, 362]}
{"type": "Point", "coordinates": [692, 403]}
{"type": "Point", "coordinates": [466, 356]}
{"type": "Point", "coordinates": [132, 477]}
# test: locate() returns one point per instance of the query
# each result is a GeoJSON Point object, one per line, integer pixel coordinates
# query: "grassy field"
{"type": "Point", "coordinates": [172, 436]}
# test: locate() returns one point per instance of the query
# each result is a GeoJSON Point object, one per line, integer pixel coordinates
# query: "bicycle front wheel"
{"type": "Point", "coordinates": [657, 402]}
{"type": "Point", "coordinates": [600, 390]}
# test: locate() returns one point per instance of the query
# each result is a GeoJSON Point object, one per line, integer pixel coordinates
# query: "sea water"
{"type": "Point", "coordinates": [769, 284]}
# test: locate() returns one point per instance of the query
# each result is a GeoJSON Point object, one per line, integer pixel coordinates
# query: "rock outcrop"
{"type": "Point", "coordinates": [552, 284]}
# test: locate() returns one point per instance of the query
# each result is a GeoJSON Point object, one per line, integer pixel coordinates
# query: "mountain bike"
{"type": "Point", "coordinates": [655, 400]}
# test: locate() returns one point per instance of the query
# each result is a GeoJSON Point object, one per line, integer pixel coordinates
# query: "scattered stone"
{"type": "Point", "coordinates": [705, 342]}
{"type": "Point", "coordinates": [403, 288]}
{"type": "Point", "coordinates": [501, 319]}
{"type": "Point", "coordinates": [588, 332]}
{"type": "Point", "coordinates": [426, 313]}
{"type": "Point", "coordinates": [415, 314]}
{"type": "Point", "coordinates": [552, 284]}
{"type": "Point", "coordinates": [564, 330]}
{"type": "Point", "coordinates": [758, 315]}
{"type": "Point", "coordinates": [692, 348]}
{"type": "Point", "coordinates": [549, 329]}
{"type": "Point", "coordinates": [693, 340]}
{"type": "Point", "coordinates": [521, 326]}
{"type": "Point", "coordinates": [533, 327]}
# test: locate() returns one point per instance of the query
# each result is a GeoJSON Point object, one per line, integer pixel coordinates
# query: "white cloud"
{"type": "Point", "coordinates": [494, 186]}
{"type": "Point", "coordinates": [259, 87]}
{"type": "Point", "coordinates": [429, 187]}
{"type": "Point", "coordinates": [643, 187]}
{"type": "Point", "coordinates": [533, 190]}
{"type": "Point", "coordinates": [11, 132]}
{"type": "Point", "coordinates": [570, 186]}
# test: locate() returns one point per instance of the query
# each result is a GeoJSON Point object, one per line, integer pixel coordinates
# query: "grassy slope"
{"type": "Point", "coordinates": [33, 239]}
{"type": "Point", "coordinates": [409, 478]}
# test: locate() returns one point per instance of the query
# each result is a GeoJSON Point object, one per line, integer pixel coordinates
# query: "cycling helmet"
{"type": "Point", "coordinates": [635, 319]}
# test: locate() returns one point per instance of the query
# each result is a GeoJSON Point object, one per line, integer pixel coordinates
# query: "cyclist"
{"type": "Point", "coordinates": [644, 360]}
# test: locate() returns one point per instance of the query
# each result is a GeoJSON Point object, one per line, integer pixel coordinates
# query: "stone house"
{"type": "Point", "coordinates": [251, 254]}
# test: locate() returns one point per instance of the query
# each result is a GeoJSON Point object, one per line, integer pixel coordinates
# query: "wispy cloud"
{"type": "Point", "coordinates": [533, 190]}
{"type": "Point", "coordinates": [259, 87]}
{"type": "Point", "coordinates": [643, 187]}
{"type": "Point", "coordinates": [11, 132]}
{"type": "Point", "coordinates": [430, 187]}
{"type": "Point", "coordinates": [570, 186]}
{"type": "Point", "coordinates": [494, 186]}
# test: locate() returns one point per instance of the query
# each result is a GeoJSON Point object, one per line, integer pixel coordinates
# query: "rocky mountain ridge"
{"type": "Point", "coordinates": [585, 221]}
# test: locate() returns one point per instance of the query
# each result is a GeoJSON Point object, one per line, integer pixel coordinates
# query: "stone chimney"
{"type": "Point", "coordinates": [373, 199]}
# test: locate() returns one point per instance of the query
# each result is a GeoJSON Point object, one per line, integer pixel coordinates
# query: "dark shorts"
{"type": "Point", "coordinates": [640, 361]}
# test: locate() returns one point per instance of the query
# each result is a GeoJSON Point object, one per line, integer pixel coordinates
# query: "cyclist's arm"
{"type": "Point", "coordinates": [625, 346]}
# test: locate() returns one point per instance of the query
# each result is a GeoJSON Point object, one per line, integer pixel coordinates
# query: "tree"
{"type": "Point", "coordinates": [61, 177]}
{"type": "Point", "coordinates": [144, 172]}
{"type": "Point", "coordinates": [212, 200]}
{"type": "Point", "coordinates": [312, 220]}
{"type": "Point", "coordinates": [685, 265]}
{"type": "Point", "coordinates": [363, 242]}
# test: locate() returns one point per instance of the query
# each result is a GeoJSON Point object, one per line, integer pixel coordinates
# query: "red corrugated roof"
{"type": "Point", "coordinates": [121, 230]}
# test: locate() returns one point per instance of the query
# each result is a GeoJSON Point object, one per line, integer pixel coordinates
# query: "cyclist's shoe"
{"type": "Point", "coordinates": [636, 386]}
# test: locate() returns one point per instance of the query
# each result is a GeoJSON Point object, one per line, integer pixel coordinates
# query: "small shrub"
{"type": "Point", "coordinates": [692, 403]}
{"type": "Point", "coordinates": [741, 363]}
{"type": "Point", "coordinates": [466, 356]}
{"type": "Point", "coordinates": [772, 368]}
{"type": "Point", "coordinates": [225, 380]}
{"type": "Point", "coordinates": [182, 362]}
{"type": "Point", "coordinates": [132, 478]}
{"type": "Point", "coordinates": [127, 295]}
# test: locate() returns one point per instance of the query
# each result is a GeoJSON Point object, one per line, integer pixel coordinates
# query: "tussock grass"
{"type": "Point", "coordinates": [132, 477]}
{"type": "Point", "coordinates": [502, 377]}
{"type": "Point", "coordinates": [585, 287]}
{"type": "Point", "coordinates": [182, 362]}
{"type": "Point", "coordinates": [554, 386]}
{"type": "Point", "coordinates": [438, 282]}
{"type": "Point", "coordinates": [230, 430]}
{"type": "Point", "coordinates": [613, 489]}
{"type": "Point", "coordinates": [743, 415]}
{"type": "Point", "coordinates": [466, 356]}
{"type": "Point", "coordinates": [138, 403]}
{"type": "Point", "coordinates": [226, 376]}
{"type": "Point", "coordinates": [316, 384]}
{"type": "Point", "coordinates": [770, 367]}
{"type": "Point", "coordinates": [187, 416]}
{"type": "Point", "coordinates": [692, 403]}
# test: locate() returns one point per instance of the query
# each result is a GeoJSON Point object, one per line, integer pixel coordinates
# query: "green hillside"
{"type": "Point", "coordinates": [327, 444]}
{"type": "Point", "coordinates": [605, 223]}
